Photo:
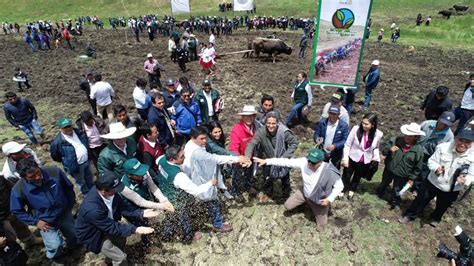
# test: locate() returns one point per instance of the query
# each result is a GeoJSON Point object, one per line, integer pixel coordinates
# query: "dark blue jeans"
{"type": "Point", "coordinates": [295, 112]}
{"type": "Point", "coordinates": [368, 96]}
{"type": "Point", "coordinates": [214, 210]}
{"type": "Point", "coordinates": [31, 129]}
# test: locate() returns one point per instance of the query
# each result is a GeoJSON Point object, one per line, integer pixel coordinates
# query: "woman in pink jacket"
{"type": "Point", "coordinates": [361, 152]}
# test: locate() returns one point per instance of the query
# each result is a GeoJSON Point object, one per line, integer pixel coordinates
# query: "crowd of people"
{"type": "Point", "coordinates": [170, 157]}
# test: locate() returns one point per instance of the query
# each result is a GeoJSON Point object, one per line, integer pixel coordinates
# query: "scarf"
{"type": "Point", "coordinates": [278, 172]}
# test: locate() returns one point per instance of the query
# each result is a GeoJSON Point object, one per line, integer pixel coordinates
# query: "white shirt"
{"type": "Point", "coordinates": [79, 148]}
{"type": "Point", "coordinates": [212, 39]}
{"type": "Point", "coordinates": [467, 101]}
{"type": "Point", "coordinates": [182, 181]}
{"type": "Point", "coordinates": [124, 150]}
{"type": "Point", "coordinates": [93, 136]}
{"type": "Point", "coordinates": [102, 92]}
{"type": "Point", "coordinates": [139, 96]}
{"type": "Point", "coordinates": [330, 132]}
{"type": "Point", "coordinates": [310, 178]}
{"type": "Point", "coordinates": [210, 108]}
{"type": "Point", "coordinates": [171, 45]}
{"type": "Point", "coordinates": [108, 203]}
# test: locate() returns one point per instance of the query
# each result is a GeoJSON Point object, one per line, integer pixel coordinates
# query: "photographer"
{"type": "Point", "coordinates": [452, 168]}
{"type": "Point", "coordinates": [466, 253]}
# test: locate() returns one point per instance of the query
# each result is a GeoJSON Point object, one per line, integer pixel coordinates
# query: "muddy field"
{"type": "Point", "coordinates": [361, 231]}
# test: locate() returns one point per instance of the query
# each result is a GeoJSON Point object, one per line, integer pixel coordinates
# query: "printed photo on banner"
{"type": "Point", "coordinates": [338, 42]}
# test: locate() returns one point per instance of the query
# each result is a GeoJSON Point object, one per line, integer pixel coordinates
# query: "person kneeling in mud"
{"type": "Point", "coordinates": [89, 51]}
{"type": "Point", "coordinates": [321, 183]}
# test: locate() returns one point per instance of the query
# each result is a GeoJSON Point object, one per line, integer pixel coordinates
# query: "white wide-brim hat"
{"type": "Point", "coordinates": [248, 110]}
{"type": "Point", "coordinates": [375, 62]}
{"type": "Point", "coordinates": [12, 147]}
{"type": "Point", "coordinates": [412, 129]}
{"type": "Point", "coordinates": [118, 131]}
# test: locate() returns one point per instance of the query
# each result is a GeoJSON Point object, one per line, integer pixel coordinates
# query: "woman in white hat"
{"type": "Point", "coordinates": [403, 162]}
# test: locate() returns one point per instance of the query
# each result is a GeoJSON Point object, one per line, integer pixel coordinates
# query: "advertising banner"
{"type": "Point", "coordinates": [243, 5]}
{"type": "Point", "coordinates": [180, 6]}
{"type": "Point", "coordinates": [339, 42]}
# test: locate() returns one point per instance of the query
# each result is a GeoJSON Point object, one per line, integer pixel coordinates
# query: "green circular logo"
{"type": "Point", "coordinates": [343, 18]}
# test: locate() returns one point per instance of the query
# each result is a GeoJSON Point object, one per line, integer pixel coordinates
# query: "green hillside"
{"type": "Point", "coordinates": [458, 32]}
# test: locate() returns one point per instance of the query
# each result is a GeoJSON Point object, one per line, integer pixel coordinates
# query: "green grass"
{"type": "Point", "coordinates": [457, 33]}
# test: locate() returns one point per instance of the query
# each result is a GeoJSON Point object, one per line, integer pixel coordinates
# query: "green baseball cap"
{"type": "Point", "coordinates": [315, 155]}
{"type": "Point", "coordinates": [64, 122]}
{"type": "Point", "coordinates": [134, 167]}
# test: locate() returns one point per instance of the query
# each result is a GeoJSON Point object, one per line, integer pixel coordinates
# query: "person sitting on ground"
{"type": "Point", "coordinates": [302, 96]}
{"type": "Point", "coordinates": [403, 162]}
{"type": "Point", "coordinates": [451, 169]}
{"type": "Point", "coordinates": [21, 78]}
{"type": "Point", "coordinates": [321, 183]}
{"type": "Point", "coordinates": [361, 153]}
{"type": "Point", "coordinates": [98, 226]}
{"type": "Point", "coordinates": [90, 51]}
{"type": "Point", "coordinates": [274, 140]}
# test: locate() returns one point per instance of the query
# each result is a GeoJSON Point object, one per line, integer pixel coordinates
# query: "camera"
{"type": "Point", "coordinates": [465, 256]}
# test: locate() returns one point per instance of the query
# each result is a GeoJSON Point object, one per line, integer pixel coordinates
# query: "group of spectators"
{"type": "Point", "coordinates": [170, 157]}
{"type": "Point", "coordinates": [41, 35]}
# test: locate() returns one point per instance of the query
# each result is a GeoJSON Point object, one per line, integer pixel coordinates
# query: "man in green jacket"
{"type": "Point", "coordinates": [403, 162]}
{"type": "Point", "coordinates": [119, 149]}
{"type": "Point", "coordinates": [207, 99]}
{"type": "Point", "coordinates": [274, 140]}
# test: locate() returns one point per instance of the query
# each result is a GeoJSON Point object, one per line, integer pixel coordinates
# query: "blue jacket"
{"type": "Point", "coordinates": [48, 201]}
{"type": "Point", "coordinates": [156, 117]}
{"type": "Point", "coordinates": [372, 78]}
{"type": "Point", "coordinates": [342, 131]}
{"type": "Point", "coordinates": [20, 113]}
{"type": "Point", "coordinates": [63, 152]}
{"type": "Point", "coordinates": [93, 223]}
{"type": "Point", "coordinates": [186, 117]}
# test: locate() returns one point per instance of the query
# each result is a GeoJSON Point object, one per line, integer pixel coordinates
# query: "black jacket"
{"type": "Point", "coordinates": [433, 107]}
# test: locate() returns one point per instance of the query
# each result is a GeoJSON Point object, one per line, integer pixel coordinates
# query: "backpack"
{"type": "Point", "coordinates": [192, 43]}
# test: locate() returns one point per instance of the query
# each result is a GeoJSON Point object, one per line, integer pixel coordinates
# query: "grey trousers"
{"type": "Point", "coordinates": [112, 248]}
{"type": "Point", "coordinates": [320, 212]}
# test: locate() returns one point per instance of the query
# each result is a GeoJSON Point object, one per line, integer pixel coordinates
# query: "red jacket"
{"type": "Point", "coordinates": [66, 35]}
{"type": "Point", "coordinates": [240, 135]}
